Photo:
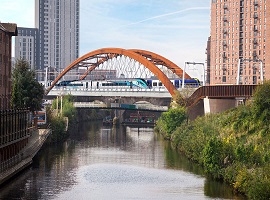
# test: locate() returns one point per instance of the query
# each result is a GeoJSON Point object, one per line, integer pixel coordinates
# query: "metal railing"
{"type": "Point", "coordinates": [36, 141]}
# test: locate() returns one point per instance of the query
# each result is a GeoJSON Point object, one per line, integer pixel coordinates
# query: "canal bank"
{"type": "Point", "coordinates": [19, 162]}
{"type": "Point", "coordinates": [232, 146]}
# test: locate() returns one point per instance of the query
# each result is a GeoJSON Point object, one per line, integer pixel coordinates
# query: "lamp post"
{"type": "Point", "coordinates": [193, 63]}
{"type": "Point", "coordinates": [248, 60]}
{"type": "Point", "coordinates": [46, 77]}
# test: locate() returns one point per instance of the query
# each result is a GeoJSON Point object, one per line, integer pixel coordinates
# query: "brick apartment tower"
{"type": "Point", "coordinates": [239, 45]}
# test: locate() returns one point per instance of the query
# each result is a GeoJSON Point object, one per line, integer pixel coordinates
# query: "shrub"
{"type": "Point", "coordinates": [261, 102]}
{"type": "Point", "coordinates": [213, 156]}
{"type": "Point", "coordinates": [173, 118]}
{"type": "Point", "coordinates": [58, 129]}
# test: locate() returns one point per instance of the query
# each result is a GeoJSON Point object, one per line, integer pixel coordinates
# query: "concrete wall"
{"type": "Point", "coordinates": [196, 111]}
{"type": "Point", "coordinates": [207, 105]}
{"type": "Point", "coordinates": [220, 105]}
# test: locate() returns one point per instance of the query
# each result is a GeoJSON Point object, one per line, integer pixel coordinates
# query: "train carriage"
{"type": "Point", "coordinates": [136, 83]}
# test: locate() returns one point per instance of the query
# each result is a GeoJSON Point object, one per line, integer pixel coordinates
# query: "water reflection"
{"type": "Point", "coordinates": [100, 162]}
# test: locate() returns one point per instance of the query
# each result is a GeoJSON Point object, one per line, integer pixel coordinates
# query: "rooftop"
{"type": "Point", "coordinates": [9, 27]}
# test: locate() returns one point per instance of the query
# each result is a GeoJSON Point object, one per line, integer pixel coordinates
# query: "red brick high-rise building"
{"type": "Point", "coordinates": [239, 45]}
{"type": "Point", "coordinates": [7, 30]}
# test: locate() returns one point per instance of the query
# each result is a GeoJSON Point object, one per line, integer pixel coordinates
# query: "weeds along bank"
{"type": "Point", "coordinates": [233, 146]}
{"type": "Point", "coordinates": [63, 117]}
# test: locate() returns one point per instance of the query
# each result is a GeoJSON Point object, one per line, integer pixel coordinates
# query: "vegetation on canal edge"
{"type": "Point", "coordinates": [232, 146]}
{"type": "Point", "coordinates": [57, 117]}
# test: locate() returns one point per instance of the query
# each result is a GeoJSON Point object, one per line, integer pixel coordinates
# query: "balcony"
{"type": "Point", "coordinates": [241, 41]}
{"type": "Point", "coordinates": [225, 6]}
{"type": "Point", "coordinates": [241, 35]}
{"type": "Point", "coordinates": [255, 28]}
{"type": "Point", "coordinates": [241, 28]}
{"type": "Point", "coordinates": [241, 9]}
{"type": "Point", "coordinates": [254, 54]}
{"type": "Point", "coordinates": [224, 43]}
{"type": "Point", "coordinates": [255, 2]}
{"type": "Point", "coordinates": [255, 41]}
{"type": "Point", "coordinates": [255, 15]}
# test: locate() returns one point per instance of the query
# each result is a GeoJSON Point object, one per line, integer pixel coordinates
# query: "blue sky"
{"type": "Point", "coordinates": [175, 29]}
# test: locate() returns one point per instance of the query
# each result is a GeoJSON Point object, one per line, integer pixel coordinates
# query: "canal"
{"type": "Point", "coordinates": [98, 162]}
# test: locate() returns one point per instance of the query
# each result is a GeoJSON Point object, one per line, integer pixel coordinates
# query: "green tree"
{"type": "Point", "coordinates": [27, 92]}
{"type": "Point", "coordinates": [173, 118]}
{"type": "Point", "coordinates": [68, 109]}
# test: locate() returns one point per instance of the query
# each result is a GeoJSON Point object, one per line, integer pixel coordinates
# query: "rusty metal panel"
{"type": "Point", "coordinates": [221, 91]}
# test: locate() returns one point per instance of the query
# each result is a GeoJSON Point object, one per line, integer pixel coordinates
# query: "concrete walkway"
{"type": "Point", "coordinates": [19, 162]}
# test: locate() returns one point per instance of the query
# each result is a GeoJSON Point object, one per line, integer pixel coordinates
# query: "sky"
{"type": "Point", "coordinates": [175, 29]}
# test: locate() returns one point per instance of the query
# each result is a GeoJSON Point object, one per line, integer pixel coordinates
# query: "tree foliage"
{"type": "Point", "coordinates": [261, 102]}
{"type": "Point", "coordinates": [178, 100]}
{"type": "Point", "coordinates": [173, 118]}
{"type": "Point", "coordinates": [212, 156]}
{"type": "Point", "coordinates": [27, 92]}
{"type": "Point", "coordinates": [68, 110]}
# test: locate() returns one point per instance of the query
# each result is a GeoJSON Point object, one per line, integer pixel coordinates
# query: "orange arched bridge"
{"type": "Point", "coordinates": [141, 63]}
{"type": "Point", "coordinates": [133, 62]}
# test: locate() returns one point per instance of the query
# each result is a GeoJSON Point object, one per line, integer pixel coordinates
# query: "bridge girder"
{"type": "Point", "coordinates": [146, 58]}
{"type": "Point", "coordinates": [156, 59]}
{"type": "Point", "coordinates": [160, 60]}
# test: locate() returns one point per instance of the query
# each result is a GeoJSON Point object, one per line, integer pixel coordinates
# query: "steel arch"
{"type": "Point", "coordinates": [160, 60]}
{"type": "Point", "coordinates": [118, 51]}
{"type": "Point", "coordinates": [93, 66]}
{"type": "Point", "coordinates": [152, 57]}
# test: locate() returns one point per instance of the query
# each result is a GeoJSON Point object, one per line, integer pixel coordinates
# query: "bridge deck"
{"type": "Point", "coordinates": [217, 91]}
{"type": "Point", "coordinates": [221, 91]}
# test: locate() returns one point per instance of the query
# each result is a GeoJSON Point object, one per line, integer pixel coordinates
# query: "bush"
{"type": "Point", "coordinates": [68, 110]}
{"type": "Point", "coordinates": [173, 118]}
{"type": "Point", "coordinates": [58, 129]}
{"type": "Point", "coordinates": [261, 102]}
{"type": "Point", "coordinates": [213, 156]}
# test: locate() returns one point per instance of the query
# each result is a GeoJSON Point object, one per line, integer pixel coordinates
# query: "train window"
{"type": "Point", "coordinates": [160, 84]}
{"type": "Point", "coordinates": [154, 84]}
{"type": "Point", "coordinates": [76, 84]}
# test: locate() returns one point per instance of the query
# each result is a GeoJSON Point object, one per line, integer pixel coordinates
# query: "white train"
{"type": "Point", "coordinates": [154, 83]}
{"type": "Point", "coordinates": [136, 83]}
{"type": "Point", "coordinates": [118, 83]}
